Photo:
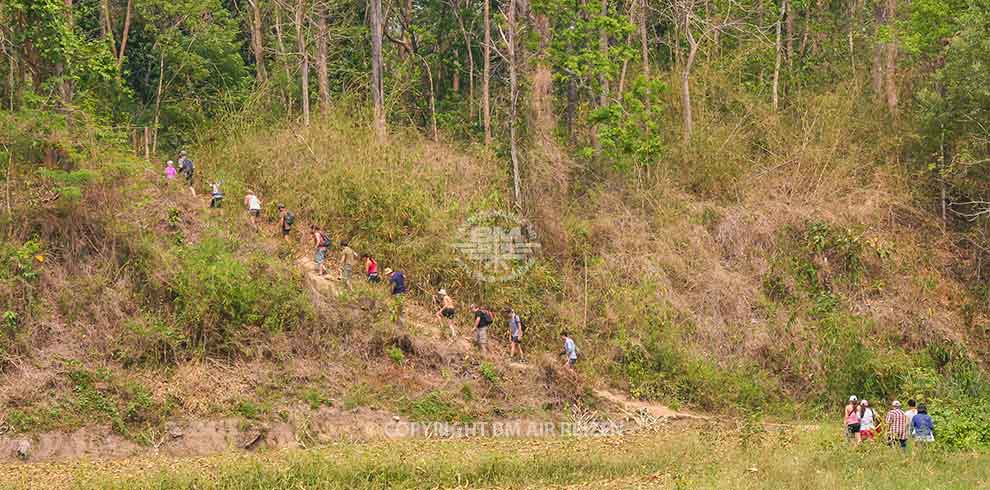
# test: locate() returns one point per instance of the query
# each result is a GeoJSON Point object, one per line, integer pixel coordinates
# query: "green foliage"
{"type": "Point", "coordinates": [489, 373]}
{"type": "Point", "coordinates": [433, 407]}
{"type": "Point", "coordinates": [395, 354]}
{"type": "Point", "coordinates": [631, 129]}
{"type": "Point", "coordinates": [217, 295]}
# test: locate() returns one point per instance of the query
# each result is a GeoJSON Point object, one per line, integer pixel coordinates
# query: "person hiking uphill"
{"type": "Point", "coordinates": [923, 426]}
{"type": "Point", "coordinates": [348, 258]}
{"type": "Point", "coordinates": [253, 205]}
{"type": "Point", "coordinates": [170, 171]}
{"type": "Point", "coordinates": [397, 282]}
{"type": "Point", "coordinates": [285, 221]}
{"type": "Point", "coordinates": [322, 243]}
{"type": "Point", "coordinates": [570, 351]}
{"type": "Point", "coordinates": [446, 311]}
{"type": "Point", "coordinates": [216, 195]}
{"type": "Point", "coordinates": [482, 319]}
{"type": "Point", "coordinates": [897, 423]}
{"type": "Point", "coordinates": [515, 334]}
{"type": "Point", "coordinates": [867, 421]}
{"type": "Point", "coordinates": [187, 169]}
{"type": "Point", "coordinates": [371, 268]}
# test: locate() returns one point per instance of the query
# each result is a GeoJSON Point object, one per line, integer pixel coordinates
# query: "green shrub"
{"type": "Point", "coordinates": [395, 354]}
{"type": "Point", "coordinates": [489, 372]}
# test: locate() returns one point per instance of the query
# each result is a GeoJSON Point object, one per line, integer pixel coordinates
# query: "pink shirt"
{"type": "Point", "coordinates": [170, 172]}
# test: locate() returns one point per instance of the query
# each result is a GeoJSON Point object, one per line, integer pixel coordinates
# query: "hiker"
{"type": "Point", "coordinates": [910, 413]}
{"type": "Point", "coordinates": [515, 334]}
{"type": "Point", "coordinates": [851, 418]}
{"type": "Point", "coordinates": [322, 243]}
{"type": "Point", "coordinates": [482, 319]}
{"type": "Point", "coordinates": [253, 205]}
{"type": "Point", "coordinates": [397, 279]}
{"type": "Point", "coordinates": [371, 268]}
{"type": "Point", "coordinates": [923, 426]}
{"type": "Point", "coordinates": [570, 351]}
{"type": "Point", "coordinates": [447, 311]}
{"type": "Point", "coordinates": [897, 426]}
{"type": "Point", "coordinates": [216, 195]}
{"type": "Point", "coordinates": [187, 169]}
{"type": "Point", "coordinates": [348, 257]}
{"type": "Point", "coordinates": [285, 221]}
{"type": "Point", "coordinates": [867, 422]}
{"type": "Point", "coordinates": [170, 171]}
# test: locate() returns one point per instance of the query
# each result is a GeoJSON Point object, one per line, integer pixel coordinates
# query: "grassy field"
{"type": "Point", "coordinates": [702, 458]}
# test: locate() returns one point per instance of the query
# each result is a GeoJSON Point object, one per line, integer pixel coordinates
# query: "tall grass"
{"type": "Point", "coordinates": [710, 459]}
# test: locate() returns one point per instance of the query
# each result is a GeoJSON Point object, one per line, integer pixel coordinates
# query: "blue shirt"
{"type": "Point", "coordinates": [570, 348]}
{"type": "Point", "coordinates": [922, 425]}
{"type": "Point", "coordinates": [514, 327]}
{"type": "Point", "coordinates": [398, 282]}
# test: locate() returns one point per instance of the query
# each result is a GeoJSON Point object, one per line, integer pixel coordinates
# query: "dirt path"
{"type": "Point", "coordinates": [636, 406]}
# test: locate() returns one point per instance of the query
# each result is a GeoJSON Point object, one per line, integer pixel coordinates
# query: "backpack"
{"type": "Point", "coordinates": [289, 218]}
{"type": "Point", "coordinates": [325, 240]}
{"type": "Point", "coordinates": [522, 324]}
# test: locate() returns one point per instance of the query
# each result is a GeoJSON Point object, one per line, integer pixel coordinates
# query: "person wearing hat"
{"type": "Point", "coordinates": [897, 426]}
{"type": "Point", "coordinates": [446, 311]}
{"type": "Point", "coordinates": [253, 205]}
{"type": "Point", "coordinates": [348, 257]}
{"type": "Point", "coordinates": [170, 171]}
{"type": "Point", "coordinates": [852, 420]}
{"type": "Point", "coordinates": [187, 169]}
{"type": "Point", "coordinates": [867, 421]}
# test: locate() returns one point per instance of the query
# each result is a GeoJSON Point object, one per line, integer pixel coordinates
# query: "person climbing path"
{"type": "Point", "coordinates": [216, 195]}
{"type": "Point", "coordinates": [170, 171]}
{"type": "Point", "coordinates": [322, 243]}
{"type": "Point", "coordinates": [897, 431]}
{"type": "Point", "coordinates": [285, 221]}
{"type": "Point", "coordinates": [446, 311]}
{"type": "Point", "coordinates": [852, 420]}
{"type": "Point", "coordinates": [253, 205]}
{"type": "Point", "coordinates": [397, 283]}
{"type": "Point", "coordinates": [570, 351]}
{"type": "Point", "coordinates": [482, 319]}
{"type": "Point", "coordinates": [515, 334]}
{"type": "Point", "coordinates": [867, 422]}
{"type": "Point", "coordinates": [348, 258]}
{"type": "Point", "coordinates": [371, 268]}
{"type": "Point", "coordinates": [187, 169]}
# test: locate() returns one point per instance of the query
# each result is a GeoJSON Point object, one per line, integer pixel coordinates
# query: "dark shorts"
{"type": "Point", "coordinates": [321, 255]}
{"type": "Point", "coordinates": [852, 428]}
{"type": "Point", "coordinates": [571, 362]}
{"type": "Point", "coordinates": [516, 339]}
{"type": "Point", "coordinates": [254, 212]}
{"type": "Point", "coordinates": [374, 278]}
{"type": "Point", "coordinates": [448, 312]}
{"type": "Point", "coordinates": [285, 231]}
{"type": "Point", "coordinates": [189, 178]}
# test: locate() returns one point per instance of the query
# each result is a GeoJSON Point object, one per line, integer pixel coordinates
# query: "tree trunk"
{"type": "Point", "coordinates": [258, 42]}
{"type": "Point", "coordinates": [789, 19]}
{"type": "Point", "coordinates": [106, 26]}
{"type": "Point", "coordinates": [776, 66]}
{"type": "Point", "coordinates": [303, 60]}
{"type": "Point", "coordinates": [124, 34]}
{"type": "Point", "coordinates": [377, 75]}
{"type": "Point", "coordinates": [602, 79]}
{"type": "Point", "coordinates": [514, 102]}
{"type": "Point", "coordinates": [686, 78]}
{"type": "Point", "coordinates": [321, 57]}
{"type": "Point", "coordinates": [486, 76]}
{"type": "Point", "coordinates": [890, 70]}
{"type": "Point", "coordinates": [470, 60]}
{"type": "Point", "coordinates": [282, 53]}
{"type": "Point", "coordinates": [158, 97]}
{"type": "Point", "coordinates": [643, 41]}
{"type": "Point", "coordinates": [879, 14]}
{"type": "Point", "coordinates": [433, 100]}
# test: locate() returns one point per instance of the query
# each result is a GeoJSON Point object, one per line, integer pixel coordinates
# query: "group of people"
{"type": "Point", "coordinates": [862, 423]}
{"type": "Point", "coordinates": [348, 261]}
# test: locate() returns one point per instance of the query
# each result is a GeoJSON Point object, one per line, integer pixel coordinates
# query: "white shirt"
{"type": "Point", "coordinates": [254, 203]}
{"type": "Point", "coordinates": [910, 418]}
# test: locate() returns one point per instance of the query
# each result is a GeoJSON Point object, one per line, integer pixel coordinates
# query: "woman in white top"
{"type": "Point", "coordinates": [867, 422]}
{"type": "Point", "coordinates": [254, 206]}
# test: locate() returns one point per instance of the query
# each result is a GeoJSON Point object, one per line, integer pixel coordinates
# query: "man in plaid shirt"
{"type": "Point", "coordinates": [897, 423]}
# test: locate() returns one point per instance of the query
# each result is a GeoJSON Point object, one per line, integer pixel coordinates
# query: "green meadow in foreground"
{"type": "Point", "coordinates": [702, 459]}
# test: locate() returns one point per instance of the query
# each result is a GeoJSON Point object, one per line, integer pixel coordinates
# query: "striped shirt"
{"type": "Point", "coordinates": [897, 422]}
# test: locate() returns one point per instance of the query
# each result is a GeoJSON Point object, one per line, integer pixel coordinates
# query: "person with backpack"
{"type": "Point", "coordinates": [515, 334]}
{"type": "Point", "coordinates": [348, 257]}
{"type": "Point", "coordinates": [285, 221]}
{"type": "Point", "coordinates": [371, 268]}
{"type": "Point", "coordinates": [446, 311]}
{"type": "Point", "coordinates": [852, 420]}
{"type": "Point", "coordinates": [482, 319]}
{"type": "Point", "coordinates": [187, 169]}
{"type": "Point", "coordinates": [867, 421]}
{"type": "Point", "coordinates": [253, 205]}
{"type": "Point", "coordinates": [570, 351]}
{"type": "Point", "coordinates": [216, 195]}
{"type": "Point", "coordinates": [322, 243]}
